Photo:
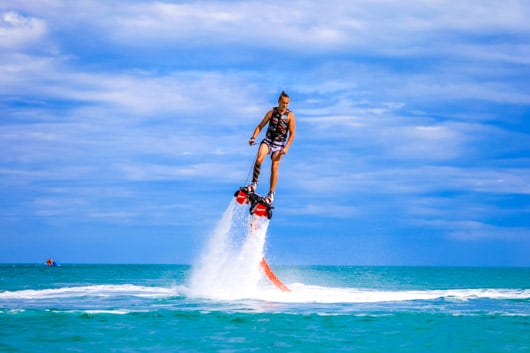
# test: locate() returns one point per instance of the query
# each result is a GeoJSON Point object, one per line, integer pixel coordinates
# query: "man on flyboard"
{"type": "Point", "coordinates": [278, 138]}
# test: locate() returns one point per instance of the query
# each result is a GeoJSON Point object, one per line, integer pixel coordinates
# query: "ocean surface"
{"type": "Point", "coordinates": [151, 308]}
{"type": "Point", "coordinates": [225, 303]}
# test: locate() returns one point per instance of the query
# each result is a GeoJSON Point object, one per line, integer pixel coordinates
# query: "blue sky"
{"type": "Point", "coordinates": [124, 129]}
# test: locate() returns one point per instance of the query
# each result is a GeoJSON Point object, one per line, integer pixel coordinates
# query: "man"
{"type": "Point", "coordinates": [278, 138]}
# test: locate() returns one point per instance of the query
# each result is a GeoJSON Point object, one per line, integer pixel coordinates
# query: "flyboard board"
{"type": "Point", "coordinates": [260, 208]}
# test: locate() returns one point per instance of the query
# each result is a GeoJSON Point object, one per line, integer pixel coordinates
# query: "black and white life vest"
{"type": "Point", "coordinates": [278, 125]}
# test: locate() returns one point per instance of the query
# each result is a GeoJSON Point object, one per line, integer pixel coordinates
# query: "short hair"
{"type": "Point", "coordinates": [283, 94]}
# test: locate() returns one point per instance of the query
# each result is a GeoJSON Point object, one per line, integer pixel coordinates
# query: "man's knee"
{"type": "Point", "coordinates": [276, 157]}
{"type": "Point", "coordinates": [275, 164]}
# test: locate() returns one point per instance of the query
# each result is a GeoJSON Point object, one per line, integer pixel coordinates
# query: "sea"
{"type": "Point", "coordinates": [225, 303]}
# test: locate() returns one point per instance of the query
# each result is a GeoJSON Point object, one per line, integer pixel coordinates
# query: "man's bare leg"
{"type": "Point", "coordinates": [262, 152]}
{"type": "Point", "coordinates": [275, 166]}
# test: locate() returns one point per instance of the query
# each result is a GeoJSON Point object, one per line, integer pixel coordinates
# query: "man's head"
{"type": "Point", "coordinates": [283, 101]}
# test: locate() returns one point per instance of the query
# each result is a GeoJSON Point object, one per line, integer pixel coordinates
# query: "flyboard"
{"type": "Point", "coordinates": [261, 208]}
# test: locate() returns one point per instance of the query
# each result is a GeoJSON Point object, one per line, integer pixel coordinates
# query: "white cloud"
{"type": "Point", "coordinates": [135, 92]}
{"type": "Point", "coordinates": [200, 172]}
{"type": "Point", "coordinates": [352, 175]}
{"type": "Point", "coordinates": [327, 210]}
{"type": "Point", "coordinates": [384, 27]}
{"type": "Point", "coordinates": [221, 23]}
{"type": "Point", "coordinates": [472, 231]}
{"type": "Point", "coordinates": [18, 31]}
{"type": "Point", "coordinates": [331, 24]}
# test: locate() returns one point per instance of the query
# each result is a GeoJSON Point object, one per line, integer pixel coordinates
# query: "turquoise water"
{"type": "Point", "coordinates": [155, 308]}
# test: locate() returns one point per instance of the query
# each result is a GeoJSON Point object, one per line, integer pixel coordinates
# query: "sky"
{"type": "Point", "coordinates": [124, 129]}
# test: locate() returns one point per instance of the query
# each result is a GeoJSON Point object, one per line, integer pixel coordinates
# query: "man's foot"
{"type": "Point", "coordinates": [251, 188]}
{"type": "Point", "coordinates": [269, 198]}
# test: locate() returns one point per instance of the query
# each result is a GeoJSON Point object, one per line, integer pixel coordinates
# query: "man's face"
{"type": "Point", "coordinates": [283, 103]}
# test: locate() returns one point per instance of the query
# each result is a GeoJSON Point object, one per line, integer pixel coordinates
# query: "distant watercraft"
{"type": "Point", "coordinates": [51, 263]}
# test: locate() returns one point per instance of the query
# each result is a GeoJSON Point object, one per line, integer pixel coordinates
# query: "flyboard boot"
{"type": "Point", "coordinates": [259, 206]}
{"type": "Point", "coordinates": [242, 194]}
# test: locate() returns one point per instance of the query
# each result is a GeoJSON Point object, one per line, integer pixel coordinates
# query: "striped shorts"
{"type": "Point", "coordinates": [274, 146]}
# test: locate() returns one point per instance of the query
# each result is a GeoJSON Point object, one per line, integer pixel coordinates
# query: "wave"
{"type": "Point", "coordinates": [316, 294]}
{"type": "Point", "coordinates": [301, 293]}
{"type": "Point", "coordinates": [92, 291]}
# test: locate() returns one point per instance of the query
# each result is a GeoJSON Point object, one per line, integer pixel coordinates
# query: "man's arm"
{"type": "Point", "coordinates": [292, 133]}
{"type": "Point", "coordinates": [260, 126]}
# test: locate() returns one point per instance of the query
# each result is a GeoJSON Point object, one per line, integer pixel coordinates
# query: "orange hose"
{"type": "Point", "coordinates": [272, 277]}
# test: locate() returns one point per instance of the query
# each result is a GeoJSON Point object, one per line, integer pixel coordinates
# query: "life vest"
{"type": "Point", "coordinates": [278, 125]}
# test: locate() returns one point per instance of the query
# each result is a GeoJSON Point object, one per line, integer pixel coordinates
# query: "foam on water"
{"type": "Point", "coordinates": [317, 294]}
{"type": "Point", "coordinates": [300, 293]}
{"type": "Point", "coordinates": [107, 291]}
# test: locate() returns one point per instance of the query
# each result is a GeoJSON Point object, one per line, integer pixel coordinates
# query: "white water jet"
{"type": "Point", "coordinates": [229, 267]}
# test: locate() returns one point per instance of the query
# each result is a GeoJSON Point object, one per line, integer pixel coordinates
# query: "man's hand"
{"type": "Point", "coordinates": [251, 140]}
